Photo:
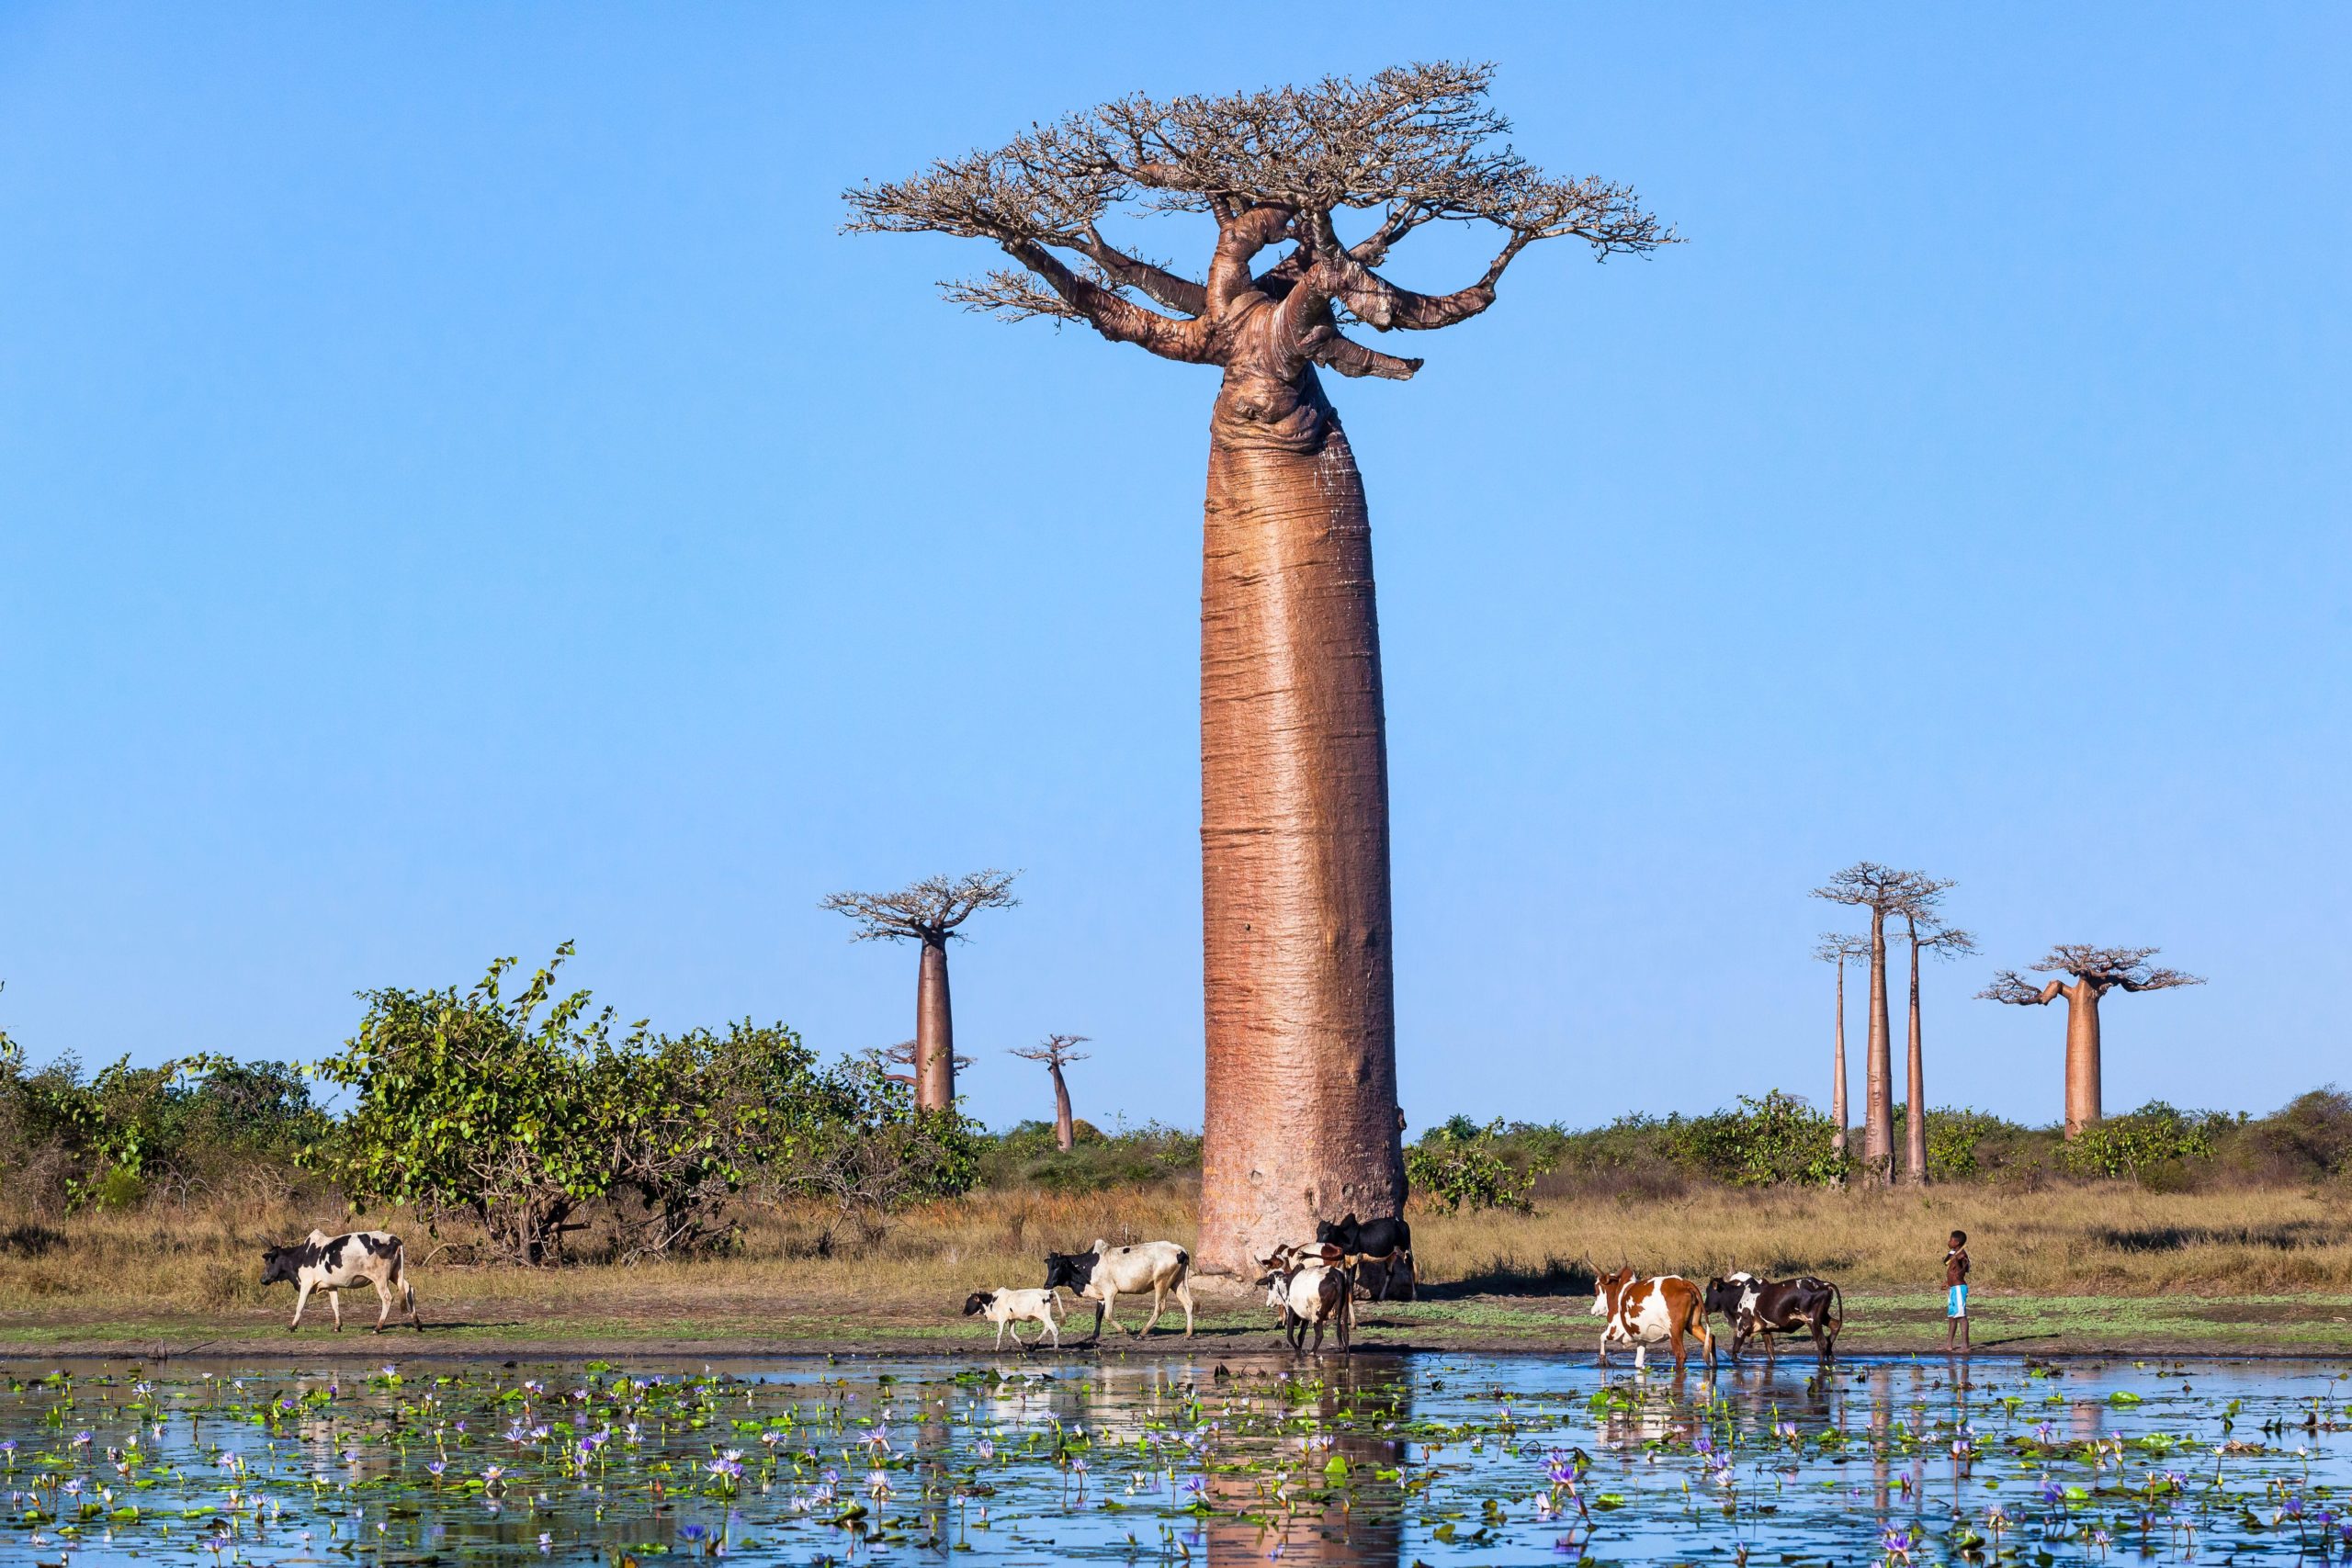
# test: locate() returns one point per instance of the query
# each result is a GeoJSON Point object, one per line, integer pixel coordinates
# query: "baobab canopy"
{"type": "Point", "coordinates": [1417, 143]}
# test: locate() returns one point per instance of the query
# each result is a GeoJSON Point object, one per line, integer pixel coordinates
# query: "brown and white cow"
{"type": "Point", "coordinates": [1310, 1287]}
{"type": "Point", "coordinates": [1641, 1313]}
{"type": "Point", "coordinates": [1779, 1306]}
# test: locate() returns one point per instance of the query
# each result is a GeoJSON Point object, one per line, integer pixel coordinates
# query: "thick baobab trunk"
{"type": "Point", "coordinates": [2082, 1056]}
{"type": "Point", "coordinates": [1915, 1088]}
{"type": "Point", "coordinates": [934, 1031]}
{"type": "Point", "coordinates": [1301, 1118]}
{"type": "Point", "coordinates": [1878, 1080]}
{"type": "Point", "coordinates": [1064, 1125]}
{"type": "Point", "coordinates": [1838, 1072]}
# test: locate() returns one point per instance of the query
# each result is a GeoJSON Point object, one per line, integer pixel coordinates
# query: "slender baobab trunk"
{"type": "Point", "coordinates": [1301, 1116]}
{"type": "Point", "coordinates": [1064, 1125]}
{"type": "Point", "coordinates": [1838, 1072]}
{"type": "Point", "coordinates": [934, 1031]}
{"type": "Point", "coordinates": [1878, 1081]}
{"type": "Point", "coordinates": [2083, 1090]}
{"type": "Point", "coordinates": [1915, 1086]}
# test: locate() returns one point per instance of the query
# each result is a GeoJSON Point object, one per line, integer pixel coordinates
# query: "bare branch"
{"type": "Point", "coordinates": [1111, 313]}
{"type": "Point", "coordinates": [1055, 1051]}
{"type": "Point", "coordinates": [2111, 967]}
{"type": "Point", "coordinates": [1181, 294]}
{"type": "Point", "coordinates": [1326, 346]}
{"type": "Point", "coordinates": [928, 910]}
{"type": "Point", "coordinates": [1870, 885]}
{"type": "Point", "coordinates": [2008, 985]}
{"type": "Point", "coordinates": [1841, 947]}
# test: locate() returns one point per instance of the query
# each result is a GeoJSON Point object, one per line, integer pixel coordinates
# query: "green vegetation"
{"type": "Point", "coordinates": [1460, 1163]}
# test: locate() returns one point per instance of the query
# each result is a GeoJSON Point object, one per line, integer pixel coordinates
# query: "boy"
{"type": "Point", "coordinates": [1956, 1293]}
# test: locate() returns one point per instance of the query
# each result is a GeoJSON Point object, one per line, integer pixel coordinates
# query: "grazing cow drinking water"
{"type": "Point", "coordinates": [334, 1264]}
{"type": "Point", "coordinates": [1642, 1312]}
{"type": "Point", "coordinates": [1006, 1307]}
{"type": "Point", "coordinates": [1100, 1275]}
{"type": "Point", "coordinates": [1779, 1306]}
{"type": "Point", "coordinates": [1310, 1291]}
{"type": "Point", "coordinates": [1388, 1243]}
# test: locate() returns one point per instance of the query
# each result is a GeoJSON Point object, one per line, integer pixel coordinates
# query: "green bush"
{"type": "Point", "coordinates": [1964, 1144]}
{"type": "Point", "coordinates": [1779, 1139]}
{"type": "Point", "coordinates": [1460, 1163]}
{"type": "Point", "coordinates": [1025, 1154]}
{"type": "Point", "coordinates": [2151, 1145]}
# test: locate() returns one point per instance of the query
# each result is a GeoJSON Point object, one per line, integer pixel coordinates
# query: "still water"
{"type": "Point", "coordinates": [1386, 1459]}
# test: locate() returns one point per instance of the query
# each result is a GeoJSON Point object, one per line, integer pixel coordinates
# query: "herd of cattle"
{"type": "Point", "coordinates": [1311, 1285]}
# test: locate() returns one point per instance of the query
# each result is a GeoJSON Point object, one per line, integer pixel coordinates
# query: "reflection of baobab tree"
{"type": "Point", "coordinates": [1312, 1515]}
{"type": "Point", "coordinates": [2088, 973]}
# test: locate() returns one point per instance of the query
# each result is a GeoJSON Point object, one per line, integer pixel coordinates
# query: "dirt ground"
{"type": "Point", "coordinates": [481, 1320]}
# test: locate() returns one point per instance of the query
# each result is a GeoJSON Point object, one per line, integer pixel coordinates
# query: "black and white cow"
{"type": "Point", "coordinates": [1102, 1274]}
{"type": "Point", "coordinates": [334, 1264]}
{"type": "Point", "coordinates": [1770, 1307]}
{"type": "Point", "coordinates": [1387, 1244]}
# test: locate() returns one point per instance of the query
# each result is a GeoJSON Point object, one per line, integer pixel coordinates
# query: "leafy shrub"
{"type": "Point", "coordinates": [2151, 1145]}
{"type": "Point", "coordinates": [1779, 1139]}
{"type": "Point", "coordinates": [1460, 1163]}
{"type": "Point", "coordinates": [1025, 1154]}
{"type": "Point", "coordinates": [1963, 1144]}
{"type": "Point", "coordinates": [2308, 1139]}
{"type": "Point", "coordinates": [524, 1113]}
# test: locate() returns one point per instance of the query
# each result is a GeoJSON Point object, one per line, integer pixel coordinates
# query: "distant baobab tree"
{"type": "Point", "coordinates": [2094, 972]}
{"type": "Point", "coordinates": [908, 1054]}
{"type": "Point", "coordinates": [1299, 1006]}
{"type": "Point", "coordinates": [1840, 948]}
{"type": "Point", "coordinates": [1056, 1053]}
{"type": "Point", "coordinates": [1881, 889]}
{"type": "Point", "coordinates": [929, 912]}
{"type": "Point", "coordinates": [1922, 929]}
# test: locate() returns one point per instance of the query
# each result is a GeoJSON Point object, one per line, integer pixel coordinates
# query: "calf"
{"type": "Point", "coordinates": [1779, 1306]}
{"type": "Point", "coordinates": [334, 1264]}
{"type": "Point", "coordinates": [1311, 1294]}
{"type": "Point", "coordinates": [1388, 1243]}
{"type": "Point", "coordinates": [1006, 1307]}
{"type": "Point", "coordinates": [1642, 1312]}
{"type": "Point", "coordinates": [1100, 1275]}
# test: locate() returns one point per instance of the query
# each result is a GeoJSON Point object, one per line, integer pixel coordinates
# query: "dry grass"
{"type": "Point", "coordinates": [2106, 1240]}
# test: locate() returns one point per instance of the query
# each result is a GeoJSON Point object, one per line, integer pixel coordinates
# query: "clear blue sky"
{"type": "Point", "coordinates": [458, 492]}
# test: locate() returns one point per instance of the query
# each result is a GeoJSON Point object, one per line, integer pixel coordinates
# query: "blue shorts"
{"type": "Point", "coordinates": [1958, 1305]}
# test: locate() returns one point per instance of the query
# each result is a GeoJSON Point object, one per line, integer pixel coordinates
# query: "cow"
{"type": "Point", "coordinates": [1005, 1307]}
{"type": "Point", "coordinates": [1388, 1243]}
{"type": "Point", "coordinates": [1779, 1306]}
{"type": "Point", "coordinates": [1100, 1274]}
{"type": "Point", "coordinates": [1311, 1292]}
{"type": "Point", "coordinates": [334, 1264]}
{"type": "Point", "coordinates": [1642, 1312]}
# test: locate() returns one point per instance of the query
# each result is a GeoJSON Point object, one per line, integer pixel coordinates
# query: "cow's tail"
{"type": "Point", "coordinates": [1837, 1309]}
{"type": "Point", "coordinates": [400, 1281]}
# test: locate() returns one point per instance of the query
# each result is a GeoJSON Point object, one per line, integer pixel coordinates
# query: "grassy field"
{"type": "Point", "coordinates": [2068, 1269]}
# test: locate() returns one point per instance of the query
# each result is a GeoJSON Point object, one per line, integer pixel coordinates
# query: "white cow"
{"type": "Point", "coordinates": [1099, 1276]}
{"type": "Point", "coordinates": [1006, 1307]}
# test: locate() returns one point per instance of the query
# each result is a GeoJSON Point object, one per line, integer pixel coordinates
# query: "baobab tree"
{"type": "Point", "coordinates": [1881, 889]}
{"type": "Point", "coordinates": [1056, 1053]}
{"type": "Point", "coordinates": [929, 912]}
{"type": "Point", "coordinates": [1922, 929]}
{"type": "Point", "coordinates": [1301, 1114]}
{"type": "Point", "coordinates": [2088, 973]}
{"type": "Point", "coordinates": [1840, 948]}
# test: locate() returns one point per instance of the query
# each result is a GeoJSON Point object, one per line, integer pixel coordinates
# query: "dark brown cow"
{"type": "Point", "coordinates": [1779, 1306]}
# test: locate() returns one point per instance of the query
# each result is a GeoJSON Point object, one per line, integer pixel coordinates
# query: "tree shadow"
{"type": "Point", "coordinates": [1555, 1277]}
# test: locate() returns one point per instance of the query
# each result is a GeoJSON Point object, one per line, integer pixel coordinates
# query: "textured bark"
{"type": "Point", "coordinates": [1878, 1126]}
{"type": "Point", "coordinates": [1838, 1109]}
{"type": "Point", "coordinates": [1064, 1124]}
{"type": "Point", "coordinates": [1915, 1088]}
{"type": "Point", "coordinates": [934, 1031]}
{"type": "Point", "coordinates": [2083, 1087]}
{"type": "Point", "coordinates": [1301, 1117]}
